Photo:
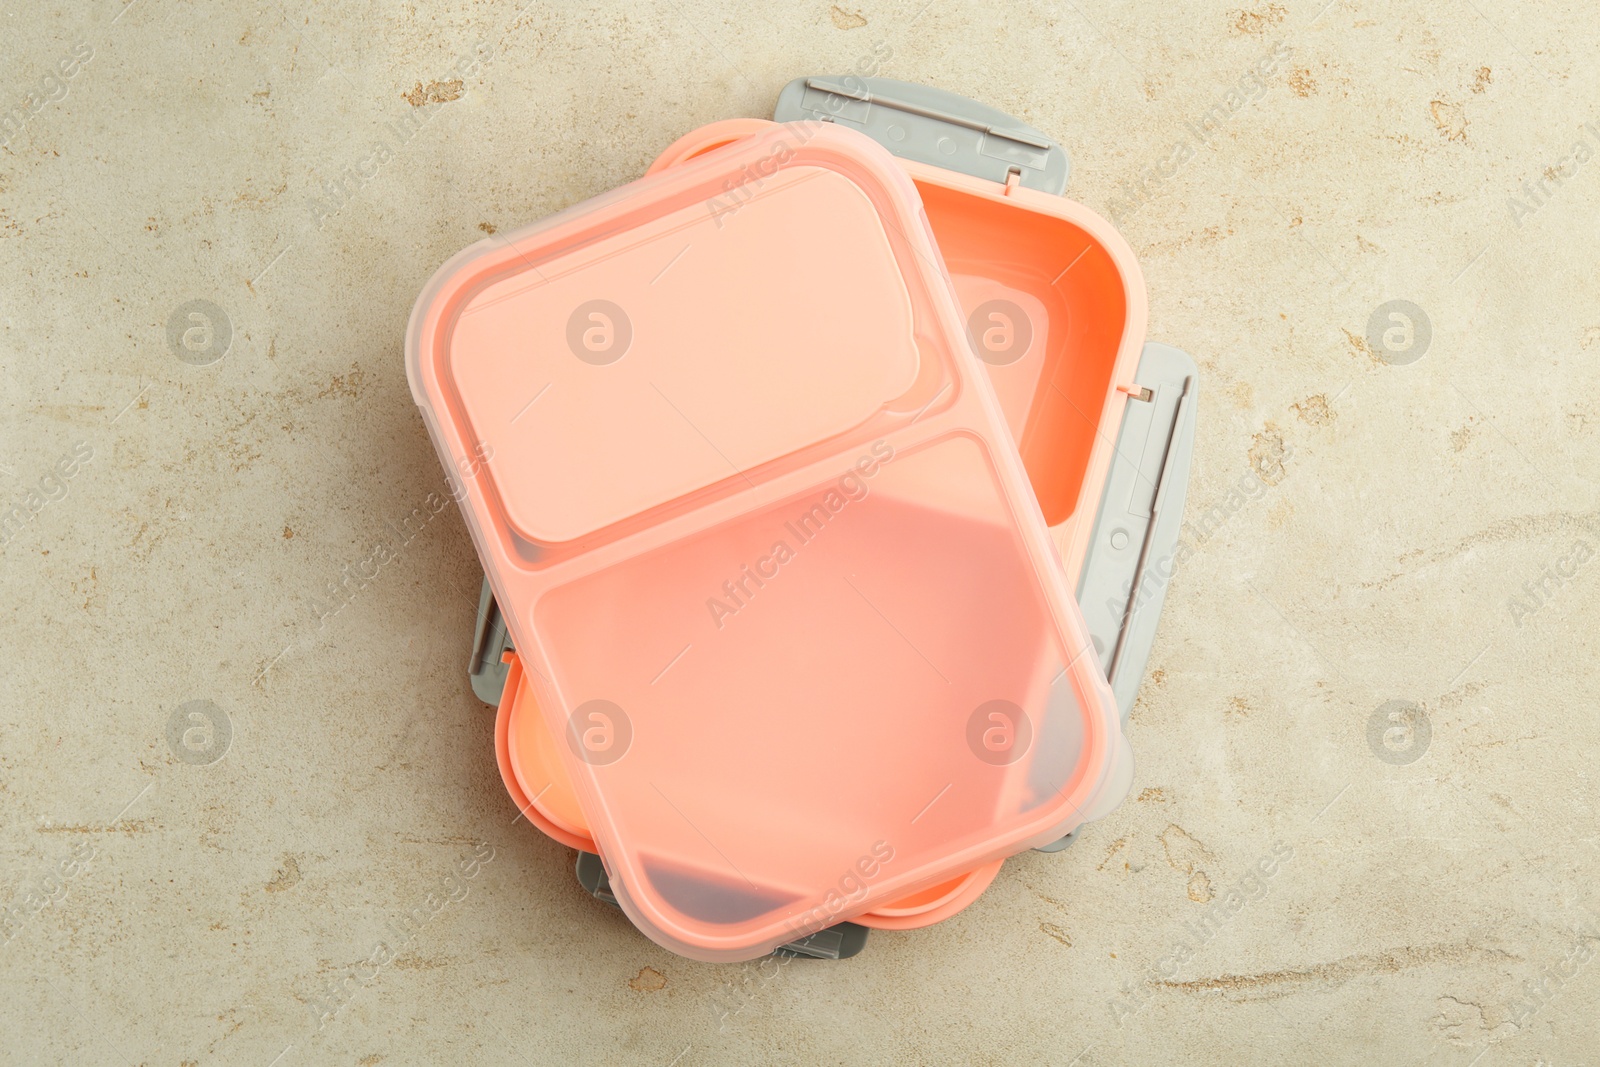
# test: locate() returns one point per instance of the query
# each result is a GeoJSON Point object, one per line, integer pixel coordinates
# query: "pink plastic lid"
{"type": "Point", "coordinates": [763, 541]}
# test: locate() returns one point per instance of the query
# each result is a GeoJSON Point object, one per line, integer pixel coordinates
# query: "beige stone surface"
{"type": "Point", "coordinates": [1440, 911]}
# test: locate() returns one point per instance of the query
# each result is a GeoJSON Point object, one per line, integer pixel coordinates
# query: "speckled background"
{"type": "Point", "coordinates": [1426, 539]}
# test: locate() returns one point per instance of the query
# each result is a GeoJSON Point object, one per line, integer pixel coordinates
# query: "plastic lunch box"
{"type": "Point", "coordinates": [1059, 353]}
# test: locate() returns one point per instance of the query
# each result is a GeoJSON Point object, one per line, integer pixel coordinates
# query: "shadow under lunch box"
{"type": "Point", "coordinates": [739, 819]}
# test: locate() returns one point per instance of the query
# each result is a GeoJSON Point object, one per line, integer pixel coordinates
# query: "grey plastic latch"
{"type": "Point", "coordinates": [838, 942]}
{"type": "Point", "coordinates": [1057, 846]}
{"type": "Point", "coordinates": [931, 126]}
{"type": "Point", "coordinates": [1131, 553]}
{"type": "Point", "coordinates": [489, 643]}
{"type": "Point", "coordinates": [592, 876]}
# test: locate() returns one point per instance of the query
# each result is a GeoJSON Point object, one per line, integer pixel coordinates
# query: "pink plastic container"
{"type": "Point", "coordinates": [743, 491]}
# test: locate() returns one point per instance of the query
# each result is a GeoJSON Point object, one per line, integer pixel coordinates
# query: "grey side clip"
{"type": "Point", "coordinates": [490, 640]}
{"type": "Point", "coordinates": [931, 126]}
{"type": "Point", "coordinates": [1131, 552]}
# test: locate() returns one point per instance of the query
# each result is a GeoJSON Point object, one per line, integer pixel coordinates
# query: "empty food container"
{"type": "Point", "coordinates": [786, 610]}
{"type": "Point", "coordinates": [1123, 566]}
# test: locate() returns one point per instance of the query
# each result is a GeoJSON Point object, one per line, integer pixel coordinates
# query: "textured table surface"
{"type": "Point", "coordinates": [1374, 678]}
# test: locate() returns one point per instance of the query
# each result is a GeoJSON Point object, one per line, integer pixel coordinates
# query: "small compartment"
{"type": "Point", "coordinates": [613, 368]}
{"type": "Point", "coordinates": [602, 385]}
{"type": "Point", "coordinates": [1047, 306]}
